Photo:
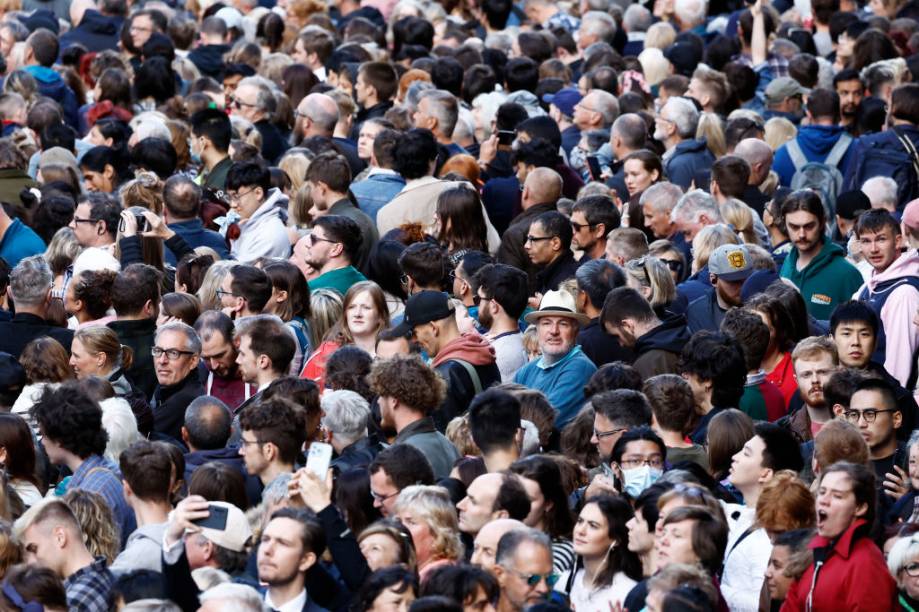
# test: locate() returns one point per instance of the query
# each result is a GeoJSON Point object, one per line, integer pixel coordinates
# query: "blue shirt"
{"type": "Point", "coordinates": [562, 382]}
{"type": "Point", "coordinates": [100, 476]}
{"type": "Point", "coordinates": [20, 242]}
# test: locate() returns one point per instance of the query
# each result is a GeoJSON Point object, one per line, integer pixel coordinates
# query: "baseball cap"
{"type": "Point", "coordinates": [684, 56]}
{"type": "Point", "coordinates": [424, 307]}
{"type": "Point", "coordinates": [911, 215]}
{"type": "Point", "coordinates": [851, 204]}
{"type": "Point", "coordinates": [731, 262]}
{"type": "Point", "coordinates": [237, 532]}
{"type": "Point", "coordinates": [784, 87]}
{"type": "Point", "coordinates": [565, 99]}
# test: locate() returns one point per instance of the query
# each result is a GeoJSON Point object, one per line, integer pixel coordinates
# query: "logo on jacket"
{"type": "Point", "coordinates": [819, 298]}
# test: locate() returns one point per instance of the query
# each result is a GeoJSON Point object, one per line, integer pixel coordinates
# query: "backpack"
{"type": "Point", "coordinates": [876, 300]}
{"type": "Point", "coordinates": [823, 177]}
{"type": "Point", "coordinates": [901, 163]}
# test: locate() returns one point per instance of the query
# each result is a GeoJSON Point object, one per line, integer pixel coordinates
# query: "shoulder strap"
{"type": "Point", "coordinates": [796, 154]}
{"type": "Point", "coordinates": [908, 145]}
{"type": "Point", "coordinates": [470, 369]}
{"type": "Point", "coordinates": [838, 151]}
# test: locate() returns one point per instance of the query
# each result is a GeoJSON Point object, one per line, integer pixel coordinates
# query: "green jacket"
{"type": "Point", "coordinates": [827, 281]}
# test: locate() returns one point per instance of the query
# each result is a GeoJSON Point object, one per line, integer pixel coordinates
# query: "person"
{"type": "Point", "coordinates": [900, 562]}
{"type": "Point", "coordinates": [245, 291]}
{"type": "Point", "coordinates": [494, 426]}
{"type": "Point", "coordinates": [713, 364]}
{"type": "Point", "coordinates": [429, 515]}
{"type": "Point", "coordinates": [176, 352]}
{"type": "Point", "coordinates": [51, 536]}
{"type": "Point", "coordinates": [563, 368]}
{"type": "Point", "coordinates": [388, 588]}
{"type": "Point", "coordinates": [874, 410]}
{"type": "Point", "coordinates": [408, 393]}
{"type": "Point", "coordinates": [592, 219]}
{"type": "Point", "coordinates": [845, 510]}
{"type": "Point", "coordinates": [465, 361]}
{"type": "Point", "coordinates": [254, 101]}
{"type": "Point", "coordinates": [272, 433]}
{"type": "Point", "coordinates": [761, 399]}
{"type": "Point", "coordinates": [18, 240]}
{"type": "Point", "coordinates": [211, 132]}
{"type": "Point", "coordinates": [815, 360]}
{"type": "Point", "coordinates": [492, 496]}
{"type": "Point", "coordinates": [387, 542]}
{"type": "Point", "coordinates": [30, 290]}
{"type": "Point", "coordinates": [777, 362]}
{"type": "Point", "coordinates": [41, 52]}
{"type": "Point", "coordinates": [616, 412]}
{"type": "Point", "coordinates": [135, 298]}
{"type": "Point", "coordinates": [382, 183]}
{"type": "Point", "coordinates": [332, 252]}
{"type": "Point", "coordinates": [394, 469]}
{"type": "Point", "coordinates": [548, 245]}
{"type": "Point", "coordinates": [345, 415]}
{"type": "Point", "coordinates": [182, 208]}
{"type": "Point", "coordinates": [728, 267]}
{"type": "Point", "coordinates": [502, 296]}
{"type": "Point", "coordinates": [218, 353]}
{"type": "Point", "coordinates": [657, 203]}
{"type": "Point", "coordinates": [685, 157]}
{"type": "Point", "coordinates": [466, 585]}
{"type": "Point", "coordinates": [596, 278]}
{"type": "Point", "coordinates": [205, 432]}
{"type": "Point", "coordinates": [786, 563]}
{"type": "Point", "coordinates": [265, 349]}
{"type": "Point", "coordinates": [523, 568]}
{"type": "Point", "coordinates": [673, 411]}
{"type": "Point", "coordinates": [261, 230]}
{"type": "Point", "coordinates": [816, 266]}
{"type": "Point", "coordinates": [438, 111]}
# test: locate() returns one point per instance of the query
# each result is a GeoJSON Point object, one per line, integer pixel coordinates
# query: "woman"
{"type": "Point", "coordinates": [671, 257]}
{"type": "Point", "coordinates": [387, 542]}
{"type": "Point", "coordinates": [97, 351]}
{"type": "Point", "coordinates": [845, 556]}
{"type": "Point", "coordinates": [429, 514]}
{"type": "Point", "coordinates": [606, 570]}
{"type": "Point", "coordinates": [651, 277]}
{"type": "Point", "coordinates": [17, 456]}
{"type": "Point", "coordinates": [104, 169]}
{"type": "Point", "coordinates": [97, 523]}
{"type": "Point", "coordinates": [777, 362]}
{"type": "Point", "coordinates": [728, 431]}
{"type": "Point", "coordinates": [641, 170]}
{"type": "Point", "coordinates": [903, 563]}
{"type": "Point", "coordinates": [111, 98]}
{"type": "Point", "coordinates": [460, 221]}
{"type": "Point", "coordinates": [290, 300]}
{"type": "Point", "coordinates": [548, 506]}
{"type": "Point", "coordinates": [905, 508]}
{"type": "Point", "coordinates": [391, 589]}
{"type": "Point", "coordinates": [365, 314]}
{"type": "Point", "coordinates": [383, 269]}
{"type": "Point", "coordinates": [182, 307]}
{"type": "Point", "coordinates": [46, 365]}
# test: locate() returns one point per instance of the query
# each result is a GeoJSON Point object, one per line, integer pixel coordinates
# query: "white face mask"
{"type": "Point", "coordinates": [638, 479]}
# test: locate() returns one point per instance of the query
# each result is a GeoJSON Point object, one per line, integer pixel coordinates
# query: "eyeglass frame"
{"type": "Point", "coordinates": [599, 435]}
{"type": "Point", "coordinates": [313, 238]}
{"type": "Point", "coordinates": [76, 219]}
{"type": "Point", "coordinates": [579, 226]}
{"type": "Point", "coordinates": [531, 238]}
{"type": "Point", "coordinates": [533, 580]}
{"type": "Point", "coordinates": [629, 464]}
{"type": "Point", "coordinates": [238, 196]}
{"type": "Point", "coordinates": [915, 569]}
{"type": "Point", "coordinates": [169, 353]}
{"type": "Point", "coordinates": [237, 103]}
{"type": "Point", "coordinates": [863, 414]}
{"type": "Point", "coordinates": [382, 498]}
{"type": "Point", "coordinates": [221, 292]}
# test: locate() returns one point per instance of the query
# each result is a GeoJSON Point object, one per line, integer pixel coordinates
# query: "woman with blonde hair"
{"type": "Point", "coordinates": [660, 36]}
{"type": "Point", "coordinates": [97, 523]}
{"type": "Point", "coordinates": [707, 240]}
{"type": "Point", "coordinates": [779, 130]}
{"type": "Point", "coordinates": [429, 514]}
{"type": "Point", "coordinates": [740, 216]}
{"type": "Point", "coordinates": [670, 256]}
{"type": "Point", "coordinates": [213, 279]}
{"type": "Point", "coordinates": [97, 351]}
{"type": "Point", "coordinates": [295, 163]}
{"type": "Point", "coordinates": [651, 277]}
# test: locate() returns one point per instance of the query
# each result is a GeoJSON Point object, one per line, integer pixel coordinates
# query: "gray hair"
{"type": "Point", "coordinates": [606, 104]}
{"type": "Point", "coordinates": [442, 105]}
{"type": "Point", "coordinates": [346, 414]}
{"type": "Point", "coordinates": [693, 205]}
{"type": "Point", "coordinates": [881, 191]}
{"type": "Point", "coordinates": [690, 12]}
{"type": "Point", "coordinates": [30, 281]}
{"type": "Point", "coordinates": [322, 110]}
{"type": "Point", "coordinates": [120, 424]}
{"type": "Point", "coordinates": [631, 128]}
{"type": "Point", "coordinates": [264, 100]}
{"type": "Point", "coordinates": [661, 196]}
{"type": "Point", "coordinates": [191, 336]}
{"type": "Point", "coordinates": [684, 115]}
{"type": "Point", "coordinates": [511, 541]}
{"type": "Point", "coordinates": [600, 24]}
{"type": "Point", "coordinates": [236, 597]}
{"type": "Point", "coordinates": [413, 94]}
{"type": "Point", "coordinates": [637, 18]}
{"type": "Point", "coordinates": [905, 550]}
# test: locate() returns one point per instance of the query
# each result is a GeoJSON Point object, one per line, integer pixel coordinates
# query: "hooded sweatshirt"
{"type": "Point", "coordinates": [658, 350]}
{"type": "Point", "coordinates": [263, 234]}
{"type": "Point", "coordinates": [826, 281]}
{"type": "Point", "coordinates": [528, 101]}
{"type": "Point", "coordinates": [902, 337]}
{"type": "Point", "coordinates": [96, 32]}
{"type": "Point", "coordinates": [461, 388]}
{"type": "Point", "coordinates": [815, 141]}
{"type": "Point", "coordinates": [209, 59]}
{"type": "Point", "coordinates": [687, 160]}
{"type": "Point", "coordinates": [51, 85]}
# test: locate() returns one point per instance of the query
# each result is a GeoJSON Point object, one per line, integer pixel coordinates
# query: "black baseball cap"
{"type": "Point", "coordinates": [424, 307]}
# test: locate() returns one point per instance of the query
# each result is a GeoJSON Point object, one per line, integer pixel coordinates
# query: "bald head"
{"type": "Point", "coordinates": [486, 542]}
{"type": "Point", "coordinates": [759, 155]}
{"type": "Point", "coordinates": [542, 185]}
{"type": "Point", "coordinates": [320, 112]}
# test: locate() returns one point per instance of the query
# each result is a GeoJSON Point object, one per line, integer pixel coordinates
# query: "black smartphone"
{"type": "Point", "coordinates": [593, 164]}
{"type": "Point", "coordinates": [216, 519]}
{"type": "Point", "coordinates": [506, 137]}
{"type": "Point", "coordinates": [142, 224]}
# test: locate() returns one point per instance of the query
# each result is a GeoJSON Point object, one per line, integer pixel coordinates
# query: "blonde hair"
{"type": "Point", "coordinates": [100, 339]}
{"type": "Point", "coordinates": [295, 163]}
{"type": "Point", "coordinates": [432, 505]}
{"type": "Point", "coordinates": [63, 250]}
{"type": "Point", "coordinates": [97, 523]}
{"type": "Point", "coordinates": [740, 215]}
{"type": "Point", "coordinates": [654, 274]}
{"type": "Point", "coordinates": [458, 433]}
{"type": "Point", "coordinates": [213, 278]}
{"type": "Point", "coordinates": [326, 308]}
{"type": "Point", "coordinates": [660, 36]}
{"type": "Point", "coordinates": [712, 130]}
{"type": "Point", "coordinates": [654, 65]}
{"type": "Point", "coordinates": [707, 240]}
{"type": "Point", "coordinates": [273, 65]}
{"type": "Point", "coordinates": [812, 347]}
{"type": "Point", "coordinates": [778, 131]}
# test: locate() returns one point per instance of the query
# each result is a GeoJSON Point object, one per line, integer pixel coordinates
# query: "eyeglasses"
{"type": "Point", "coordinates": [869, 414]}
{"type": "Point", "coordinates": [538, 238]}
{"type": "Point", "coordinates": [655, 461]}
{"type": "Point", "coordinates": [579, 226]}
{"type": "Point", "coordinates": [912, 570]}
{"type": "Point", "coordinates": [314, 239]}
{"type": "Point", "coordinates": [246, 443]}
{"type": "Point", "coordinates": [599, 435]}
{"type": "Point", "coordinates": [236, 197]}
{"type": "Point", "coordinates": [79, 220]}
{"type": "Point", "coordinates": [675, 265]}
{"type": "Point", "coordinates": [220, 293]}
{"type": "Point", "coordinates": [534, 579]}
{"type": "Point", "coordinates": [237, 103]}
{"type": "Point", "coordinates": [171, 354]}
{"type": "Point", "coordinates": [381, 498]}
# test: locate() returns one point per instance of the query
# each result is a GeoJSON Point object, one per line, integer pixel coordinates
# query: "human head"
{"type": "Point", "coordinates": [405, 383]}
{"type": "Point", "coordinates": [676, 121]}
{"type": "Point", "coordinates": [207, 424]}
{"type": "Point", "coordinates": [627, 315]}
{"type": "Point", "coordinates": [50, 535]}
{"type": "Point", "coordinates": [548, 238]}
{"type": "Point", "coordinates": [695, 210]}
{"type": "Point", "coordinates": [845, 493]}
{"type": "Point", "coordinates": [430, 516]}
{"type": "Point", "coordinates": [766, 453]}
{"type": "Point", "coordinates": [854, 328]}
{"type": "Point", "coordinates": [785, 503]}
{"type": "Point", "coordinates": [265, 347]}
{"type": "Point", "coordinates": [875, 411]}
{"type": "Point", "coordinates": [672, 403]}
{"type": "Point", "coordinates": [211, 131]}
{"type": "Point", "coordinates": [524, 556]}
{"type": "Point", "coordinates": [880, 238]}
{"type": "Point", "coordinates": [805, 219]}
{"type": "Point", "coordinates": [176, 352]}
{"type": "Point", "coordinates": [218, 352]}
{"type": "Point", "coordinates": [657, 202]}
{"type": "Point", "coordinates": [70, 421]}
{"type": "Point", "coordinates": [394, 469]}
{"type": "Point", "coordinates": [616, 412]}
{"type": "Point", "coordinates": [494, 420]}
{"type": "Point", "coordinates": [291, 543]}
{"type": "Point", "coordinates": [815, 359]}
{"type": "Point", "coordinates": [345, 415]}
{"type": "Point", "coordinates": [334, 243]}
{"type": "Point", "coordinates": [703, 541]}
{"type": "Point", "coordinates": [147, 472]}
{"type": "Point", "coordinates": [136, 291]}
{"type": "Point", "coordinates": [592, 218]}
{"type": "Point", "coordinates": [714, 365]}
{"type": "Point", "coordinates": [502, 290]}
{"type": "Point", "coordinates": [273, 431]}
{"type": "Point", "coordinates": [247, 187]}
{"type": "Point", "coordinates": [492, 496]}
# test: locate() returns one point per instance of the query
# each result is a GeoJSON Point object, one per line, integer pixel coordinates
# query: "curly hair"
{"type": "Point", "coordinates": [409, 380]}
{"type": "Point", "coordinates": [10, 553]}
{"type": "Point", "coordinates": [45, 360]}
{"type": "Point", "coordinates": [347, 368]}
{"type": "Point", "coordinates": [70, 417]}
{"type": "Point", "coordinates": [279, 422]}
{"type": "Point", "coordinates": [97, 523]}
{"type": "Point", "coordinates": [94, 289]}
{"type": "Point", "coordinates": [432, 506]}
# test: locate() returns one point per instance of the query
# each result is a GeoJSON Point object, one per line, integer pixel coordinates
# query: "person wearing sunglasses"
{"type": "Point", "coordinates": [254, 101]}
{"type": "Point", "coordinates": [332, 251]}
{"type": "Point", "coordinates": [524, 569]}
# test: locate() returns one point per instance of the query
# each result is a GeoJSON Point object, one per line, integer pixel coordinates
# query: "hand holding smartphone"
{"type": "Point", "coordinates": [318, 458]}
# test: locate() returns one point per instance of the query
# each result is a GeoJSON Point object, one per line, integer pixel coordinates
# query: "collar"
{"type": "Point", "coordinates": [187, 224]}
{"type": "Point", "coordinates": [419, 182]}
{"type": "Point", "coordinates": [555, 264]}
{"type": "Point", "coordinates": [542, 365]}
{"type": "Point", "coordinates": [28, 317]}
{"type": "Point", "coordinates": [339, 206]}
{"type": "Point", "coordinates": [375, 171]}
{"type": "Point", "coordinates": [844, 544]}
{"type": "Point", "coordinates": [164, 392]}
{"type": "Point", "coordinates": [422, 425]}
{"type": "Point", "coordinates": [294, 605]}
{"type": "Point", "coordinates": [96, 567]}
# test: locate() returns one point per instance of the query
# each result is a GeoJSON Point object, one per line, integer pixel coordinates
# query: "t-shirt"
{"type": "Point", "coordinates": [510, 355]}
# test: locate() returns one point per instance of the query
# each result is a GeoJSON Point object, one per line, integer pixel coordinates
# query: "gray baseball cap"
{"type": "Point", "coordinates": [784, 87]}
{"type": "Point", "coordinates": [731, 262]}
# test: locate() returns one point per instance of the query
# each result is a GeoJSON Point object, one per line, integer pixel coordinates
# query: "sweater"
{"type": "Point", "coordinates": [562, 381]}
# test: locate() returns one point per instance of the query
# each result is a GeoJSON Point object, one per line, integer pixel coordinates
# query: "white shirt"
{"type": "Point", "coordinates": [583, 597]}
{"type": "Point", "coordinates": [294, 605]}
{"type": "Point", "coordinates": [746, 559]}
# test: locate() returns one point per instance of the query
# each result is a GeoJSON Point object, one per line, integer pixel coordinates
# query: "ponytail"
{"type": "Point", "coordinates": [127, 357]}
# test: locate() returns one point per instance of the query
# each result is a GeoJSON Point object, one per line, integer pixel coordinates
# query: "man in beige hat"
{"type": "Point", "coordinates": [563, 369]}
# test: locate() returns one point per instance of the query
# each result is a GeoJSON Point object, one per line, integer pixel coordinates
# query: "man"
{"type": "Point", "coordinates": [95, 220]}
{"type": "Point", "coordinates": [466, 362]}
{"type": "Point", "coordinates": [851, 90]}
{"type": "Point", "coordinates": [17, 240]}
{"type": "Point", "coordinates": [30, 291]}
{"type": "Point", "coordinates": [881, 192]}
{"type": "Point", "coordinates": [816, 265]}
{"type": "Point", "coordinates": [283, 561]}
{"type": "Point", "coordinates": [892, 291]}
{"type": "Point", "coordinates": [563, 369]}
{"type": "Point", "coordinates": [695, 210]}
{"type": "Point", "coordinates": [312, 48]}
{"type": "Point", "coordinates": [596, 111]}
{"type": "Point", "coordinates": [562, 105]}
{"type": "Point", "coordinates": [710, 89]}
{"type": "Point", "coordinates": [211, 133]}
{"type": "Point", "coordinates": [262, 232]}
{"type": "Point", "coordinates": [685, 157]}
{"type": "Point", "coordinates": [657, 203]}
{"type": "Point", "coordinates": [494, 425]}
{"type": "Point", "coordinates": [438, 111]}
{"type": "Point", "coordinates": [464, 289]}
{"type": "Point", "coordinates": [616, 412]}
{"type": "Point", "coordinates": [628, 317]}
{"type": "Point", "coordinates": [265, 348]}
{"type": "Point", "coordinates": [628, 134]}
{"type": "Point", "coordinates": [523, 567]}
{"type": "Point", "coordinates": [409, 393]}
{"type": "Point", "coordinates": [730, 174]}
{"type": "Point", "coordinates": [40, 53]}
{"type": "Point", "coordinates": [231, 596]}
{"type": "Point", "coordinates": [815, 360]}
{"type": "Point", "coordinates": [625, 244]}
{"type": "Point", "coordinates": [182, 207]}
{"type": "Point", "coordinates": [761, 399]}
{"type": "Point", "coordinates": [875, 411]}
{"type": "Point", "coordinates": [93, 26]}
{"type": "Point", "coordinates": [212, 46]}
{"type": "Point", "coordinates": [382, 183]}
{"type": "Point", "coordinates": [850, 205]}
{"type": "Point", "coordinates": [592, 219]}
{"type": "Point", "coordinates": [486, 541]}
{"type": "Point", "coordinates": [205, 432]}
{"type": "Point", "coordinates": [70, 423]}
{"type": "Point", "coordinates": [317, 116]}
{"type": "Point", "coordinates": [332, 251]}
{"type": "Point", "coordinates": [176, 352]}
{"type": "Point", "coordinates": [490, 497]}
{"type": "Point", "coordinates": [273, 432]}
{"type": "Point", "coordinates": [502, 293]}
{"type": "Point", "coordinates": [673, 412]}
{"type": "Point", "coordinates": [784, 97]}
{"type": "Point", "coordinates": [146, 469]}
{"type": "Point", "coordinates": [548, 246]}
{"type": "Point", "coordinates": [501, 195]}
{"type": "Point", "coordinates": [254, 101]}
{"type": "Point", "coordinates": [345, 415]}
{"type": "Point", "coordinates": [50, 535]}
{"type": "Point", "coordinates": [759, 156]}
{"type": "Point", "coordinates": [423, 265]}
{"type": "Point", "coordinates": [136, 299]}
{"type": "Point", "coordinates": [596, 278]}
{"type": "Point", "coordinates": [728, 267]}
{"type": "Point", "coordinates": [328, 177]}
{"type": "Point", "coordinates": [822, 140]}
{"type": "Point", "coordinates": [397, 467]}
{"type": "Point", "coordinates": [218, 353]}
{"type": "Point", "coordinates": [374, 89]}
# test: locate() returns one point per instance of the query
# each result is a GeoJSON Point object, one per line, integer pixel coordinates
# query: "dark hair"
{"type": "Point", "coordinates": [216, 481]}
{"type": "Point", "coordinates": [750, 331]}
{"type": "Point", "coordinates": [45, 46]}
{"type": "Point", "coordinates": [612, 376]}
{"type": "Point", "coordinates": [331, 169]}
{"type": "Point", "coordinates": [805, 200]}
{"type": "Point", "coordinates": [72, 419]}
{"type": "Point", "coordinates": [494, 420]}
{"type": "Point", "coordinates": [134, 287]}
{"type": "Point", "coordinates": [625, 303]}
{"type": "Point", "coordinates": [623, 407]}
{"type": "Point", "coordinates": [103, 207]}
{"type": "Point", "coordinates": [405, 465]}
{"type": "Point", "coordinates": [596, 278]}
{"type": "Point", "coordinates": [353, 499]}
{"type": "Point", "coordinates": [823, 104]}
{"type": "Point", "coordinates": [504, 284]}
{"type": "Point", "coordinates": [251, 284]}
{"type": "Point", "coordinates": [156, 155]}
{"type": "Point", "coordinates": [447, 74]}
{"type": "Point", "coordinates": [841, 385]}
{"type": "Point", "coordinates": [16, 439]}
{"type": "Point", "coordinates": [781, 450]}
{"type": "Point", "coordinates": [312, 535]}
{"type": "Point", "coordinates": [555, 224]}
{"type": "Point", "coordinates": [538, 152]}
{"type": "Point", "coordinates": [348, 368]}
{"type": "Point", "coordinates": [208, 423]}
{"type": "Point", "coordinates": [881, 386]}
{"type": "Point", "coordinates": [155, 79]}
{"type": "Point", "coordinates": [244, 174]}
{"type": "Point", "coordinates": [646, 503]}
{"type": "Point", "coordinates": [34, 583]}
{"type": "Point", "coordinates": [147, 468]}
{"type": "Point", "coordinates": [874, 221]}
{"type": "Point", "coordinates": [636, 434]}
{"type": "Point", "coordinates": [303, 392]}
{"type": "Point", "coordinates": [414, 152]}
{"type": "Point", "coordinates": [512, 498]}
{"type": "Point", "coordinates": [45, 360]}
{"type": "Point", "coordinates": [279, 422]}
{"type": "Point", "coordinates": [425, 262]}
{"type": "Point", "coordinates": [852, 311]}
{"type": "Point", "coordinates": [863, 484]}
{"type": "Point", "coordinates": [709, 535]}
{"type": "Point", "coordinates": [728, 431]}
{"type": "Point", "coordinates": [462, 219]}
{"type": "Point", "coordinates": [383, 267]}
{"type": "Point", "coordinates": [732, 173]}
{"type": "Point", "coordinates": [136, 585]}
{"type": "Point", "coordinates": [183, 306]}
{"type": "Point", "coordinates": [496, 12]}
{"type": "Point", "coordinates": [619, 558]}
{"type": "Point", "coordinates": [395, 577]}
{"type": "Point", "coordinates": [671, 402]}
{"type": "Point", "coordinates": [479, 78]}
{"type": "Point", "coordinates": [545, 472]}
{"type": "Point", "coordinates": [285, 276]}
{"type": "Point", "coordinates": [521, 73]}
{"type": "Point", "coordinates": [716, 357]}
{"type": "Point", "coordinates": [343, 230]}
{"type": "Point", "coordinates": [599, 209]}
{"type": "Point", "coordinates": [215, 126]}
{"type": "Point", "coordinates": [788, 331]}
{"type": "Point", "coordinates": [97, 158]}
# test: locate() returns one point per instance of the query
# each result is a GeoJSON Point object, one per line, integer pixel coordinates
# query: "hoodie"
{"type": "Point", "coordinates": [96, 32]}
{"type": "Point", "coordinates": [51, 85]}
{"type": "Point", "coordinates": [901, 337]}
{"type": "Point", "coordinates": [815, 141]}
{"type": "Point", "coordinates": [826, 281]}
{"type": "Point", "coordinates": [461, 388]}
{"type": "Point", "coordinates": [686, 160]}
{"type": "Point", "coordinates": [263, 234]}
{"type": "Point", "coordinates": [209, 59]}
{"type": "Point", "coordinates": [658, 350]}
{"type": "Point", "coordinates": [528, 101]}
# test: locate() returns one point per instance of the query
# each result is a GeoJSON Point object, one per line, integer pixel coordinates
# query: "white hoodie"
{"type": "Point", "coordinates": [263, 234]}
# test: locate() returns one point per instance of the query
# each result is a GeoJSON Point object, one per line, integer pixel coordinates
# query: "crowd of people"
{"type": "Point", "coordinates": [469, 305]}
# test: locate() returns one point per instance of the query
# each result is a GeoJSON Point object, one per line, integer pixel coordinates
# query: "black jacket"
{"type": "Point", "coordinates": [273, 142]}
{"type": "Point", "coordinates": [16, 334]}
{"type": "Point", "coordinates": [658, 351]}
{"type": "Point", "coordinates": [461, 389]}
{"type": "Point", "coordinates": [169, 404]}
{"type": "Point", "coordinates": [599, 346]}
{"type": "Point", "coordinates": [356, 456]}
{"type": "Point", "coordinates": [561, 269]}
{"type": "Point", "coordinates": [511, 251]}
{"type": "Point", "coordinates": [377, 111]}
{"type": "Point", "coordinates": [96, 32]}
{"type": "Point", "coordinates": [208, 59]}
{"type": "Point", "coordinates": [139, 336]}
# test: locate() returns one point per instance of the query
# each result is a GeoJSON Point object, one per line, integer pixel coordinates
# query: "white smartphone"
{"type": "Point", "coordinates": [318, 458]}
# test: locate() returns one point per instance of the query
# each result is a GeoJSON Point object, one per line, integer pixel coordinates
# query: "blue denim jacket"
{"type": "Point", "coordinates": [376, 191]}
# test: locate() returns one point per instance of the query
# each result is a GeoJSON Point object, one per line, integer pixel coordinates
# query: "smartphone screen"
{"type": "Point", "coordinates": [593, 165]}
{"type": "Point", "coordinates": [216, 519]}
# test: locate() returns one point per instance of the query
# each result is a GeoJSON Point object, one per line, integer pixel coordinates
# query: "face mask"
{"type": "Point", "coordinates": [638, 479]}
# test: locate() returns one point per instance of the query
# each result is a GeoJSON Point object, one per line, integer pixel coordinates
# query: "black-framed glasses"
{"type": "Point", "coordinates": [314, 239]}
{"type": "Point", "coordinates": [237, 103]}
{"type": "Point", "coordinates": [538, 238]}
{"type": "Point", "coordinates": [579, 226]}
{"type": "Point", "coordinates": [675, 265]}
{"type": "Point", "coordinates": [533, 579]}
{"type": "Point", "coordinates": [381, 498]}
{"type": "Point", "coordinates": [869, 414]}
{"type": "Point", "coordinates": [171, 354]}
{"type": "Point", "coordinates": [236, 197]}
{"type": "Point", "coordinates": [599, 435]}
{"type": "Point", "coordinates": [76, 219]}
{"type": "Point", "coordinates": [655, 461]}
{"type": "Point", "coordinates": [246, 443]}
{"type": "Point", "coordinates": [220, 293]}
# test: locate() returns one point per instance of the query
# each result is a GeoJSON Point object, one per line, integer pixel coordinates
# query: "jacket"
{"type": "Point", "coordinates": [226, 455]}
{"type": "Point", "coordinates": [883, 154]}
{"type": "Point", "coordinates": [169, 404]}
{"type": "Point", "coordinates": [96, 32]}
{"type": "Point", "coordinates": [826, 281]}
{"type": "Point", "coordinates": [477, 352]}
{"type": "Point", "coordinates": [51, 85]}
{"type": "Point", "coordinates": [434, 445]}
{"type": "Point", "coordinates": [139, 336]}
{"type": "Point", "coordinates": [599, 346]}
{"type": "Point", "coordinates": [704, 313]}
{"type": "Point", "coordinates": [688, 159]}
{"type": "Point", "coordinates": [815, 142]}
{"type": "Point", "coordinates": [696, 286]}
{"type": "Point", "coordinates": [556, 272]}
{"type": "Point", "coordinates": [19, 241]}
{"type": "Point", "coordinates": [852, 575]}
{"type": "Point", "coordinates": [193, 232]}
{"type": "Point", "coordinates": [369, 235]}
{"type": "Point", "coordinates": [901, 338]}
{"type": "Point", "coordinates": [528, 101]}
{"type": "Point", "coordinates": [263, 234]}
{"type": "Point", "coordinates": [501, 197]}
{"type": "Point", "coordinates": [511, 251]}
{"type": "Point", "coordinates": [12, 181]}
{"type": "Point", "coordinates": [273, 142]}
{"type": "Point", "coordinates": [562, 381]}
{"type": "Point", "coordinates": [658, 350]}
{"type": "Point", "coordinates": [25, 327]}
{"type": "Point", "coordinates": [377, 190]}
{"type": "Point", "coordinates": [208, 59]}
{"type": "Point", "coordinates": [355, 456]}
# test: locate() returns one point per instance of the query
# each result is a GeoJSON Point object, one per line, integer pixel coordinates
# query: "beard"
{"type": "Point", "coordinates": [485, 318]}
